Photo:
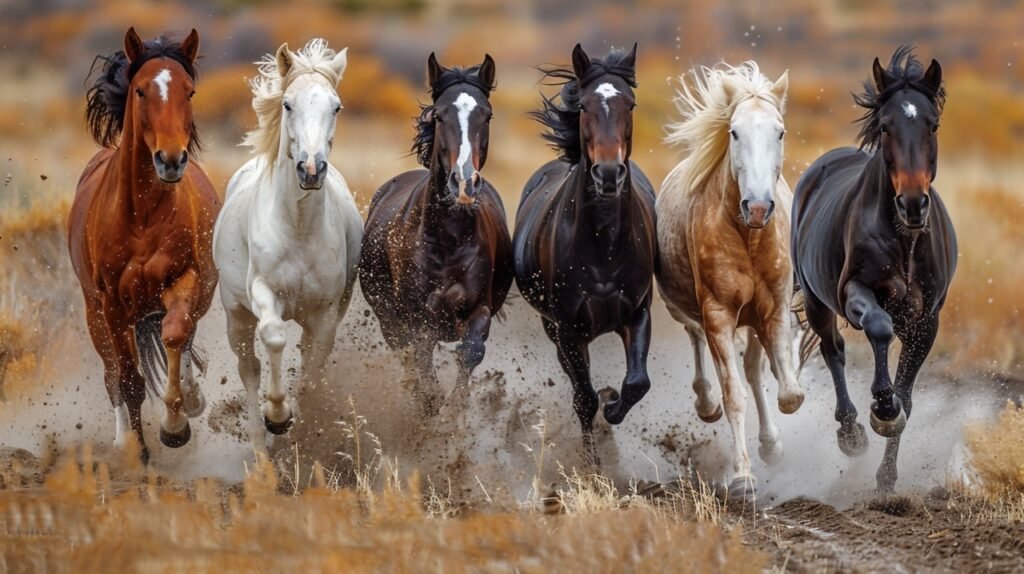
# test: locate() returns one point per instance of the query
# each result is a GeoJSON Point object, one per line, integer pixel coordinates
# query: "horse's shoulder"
{"type": "Point", "coordinates": [405, 181]}
{"type": "Point", "coordinates": [552, 171]}
{"type": "Point", "coordinates": [642, 183]}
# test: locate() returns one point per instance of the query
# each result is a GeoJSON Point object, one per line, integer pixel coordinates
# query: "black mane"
{"type": "Point", "coordinates": [423, 141]}
{"type": "Point", "coordinates": [907, 71]}
{"type": "Point", "coordinates": [562, 118]}
{"type": "Point", "coordinates": [107, 98]}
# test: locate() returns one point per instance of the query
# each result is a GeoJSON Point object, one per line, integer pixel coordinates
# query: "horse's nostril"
{"type": "Point", "coordinates": [620, 173]}
{"type": "Point", "coordinates": [745, 206]}
{"type": "Point", "coordinates": [158, 157]}
{"type": "Point", "coordinates": [321, 166]}
{"type": "Point", "coordinates": [901, 203]}
{"type": "Point", "coordinates": [595, 172]}
{"type": "Point", "coordinates": [184, 159]}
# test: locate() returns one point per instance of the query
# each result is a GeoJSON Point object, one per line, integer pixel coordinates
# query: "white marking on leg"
{"type": "Point", "coordinates": [121, 424]}
{"type": "Point", "coordinates": [162, 80]}
{"type": "Point", "coordinates": [465, 104]}
{"type": "Point", "coordinates": [606, 91]}
{"type": "Point", "coordinates": [910, 110]}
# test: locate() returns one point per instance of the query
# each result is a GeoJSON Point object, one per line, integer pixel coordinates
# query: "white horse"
{"type": "Point", "coordinates": [724, 260]}
{"type": "Point", "coordinates": [287, 241]}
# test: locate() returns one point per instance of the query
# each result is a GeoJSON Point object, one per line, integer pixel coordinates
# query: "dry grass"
{"type": "Point", "coordinates": [997, 453]}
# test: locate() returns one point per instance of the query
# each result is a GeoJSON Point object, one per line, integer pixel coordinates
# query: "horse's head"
{"type": "Point", "coordinates": [606, 103]}
{"type": "Point", "coordinates": [460, 118]}
{"type": "Point", "coordinates": [162, 91]}
{"type": "Point", "coordinates": [908, 122]}
{"type": "Point", "coordinates": [756, 132]}
{"type": "Point", "coordinates": [310, 106]}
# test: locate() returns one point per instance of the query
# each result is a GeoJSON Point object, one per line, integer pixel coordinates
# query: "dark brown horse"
{"type": "Point", "coordinates": [436, 261]}
{"type": "Point", "coordinates": [140, 229]}
{"type": "Point", "coordinates": [585, 238]}
{"type": "Point", "coordinates": [873, 243]}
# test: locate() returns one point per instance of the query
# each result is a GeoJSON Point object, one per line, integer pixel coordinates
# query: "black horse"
{"type": "Point", "coordinates": [436, 260]}
{"type": "Point", "coordinates": [585, 237]}
{"type": "Point", "coordinates": [873, 243]}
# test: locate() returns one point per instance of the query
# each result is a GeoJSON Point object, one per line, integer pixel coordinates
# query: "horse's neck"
{"type": "Point", "coordinates": [438, 217]}
{"type": "Point", "coordinates": [138, 191]}
{"type": "Point", "coordinates": [601, 220]}
{"type": "Point", "coordinates": [875, 193]}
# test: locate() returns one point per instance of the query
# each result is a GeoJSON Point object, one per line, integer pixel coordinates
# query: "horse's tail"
{"type": "Point", "coordinates": [153, 356]}
{"type": "Point", "coordinates": [808, 339]}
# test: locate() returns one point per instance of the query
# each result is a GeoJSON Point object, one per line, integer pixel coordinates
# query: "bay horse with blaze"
{"type": "Point", "coordinates": [723, 239]}
{"type": "Point", "coordinates": [585, 237]}
{"type": "Point", "coordinates": [436, 261]}
{"type": "Point", "coordinates": [140, 229]}
{"type": "Point", "coordinates": [874, 245]}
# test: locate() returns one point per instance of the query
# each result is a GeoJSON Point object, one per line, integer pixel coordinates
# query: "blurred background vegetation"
{"type": "Point", "coordinates": [48, 46]}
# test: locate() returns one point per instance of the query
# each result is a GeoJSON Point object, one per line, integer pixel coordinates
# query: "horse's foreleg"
{"type": "Point", "coordinates": [720, 327]}
{"type": "Point", "coordinates": [318, 331]}
{"type": "Point", "coordinates": [574, 356]}
{"type": "Point", "coordinates": [426, 391]}
{"type": "Point", "coordinates": [176, 332]}
{"type": "Point", "coordinates": [863, 310]}
{"type": "Point", "coordinates": [917, 343]}
{"type": "Point", "coordinates": [709, 410]}
{"type": "Point", "coordinates": [242, 338]}
{"type": "Point", "coordinates": [753, 367]}
{"type": "Point", "coordinates": [125, 386]}
{"type": "Point", "coordinates": [775, 336]}
{"type": "Point", "coordinates": [636, 339]}
{"type": "Point", "coordinates": [277, 415]}
{"type": "Point", "coordinates": [470, 355]}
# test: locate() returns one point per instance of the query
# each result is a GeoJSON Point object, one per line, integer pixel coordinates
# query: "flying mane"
{"type": "Point", "coordinates": [268, 93]}
{"type": "Point", "coordinates": [706, 108]}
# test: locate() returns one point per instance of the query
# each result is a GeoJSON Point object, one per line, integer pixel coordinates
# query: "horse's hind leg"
{"type": "Point", "coordinates": [242, 338]}
{"type": "Point", "coordinates": [863, 310]}
{"type": "Point", "coordinates": [636, 338]}
{"type": "Point", "coordinates": [277, 415]}
{"type": "Point", "coordinates": [917, 343]}
{"type": "Point", "coordinates": [851, 437]}
{"type": "Point", "coordinates": [574, 356]}
{"type": "Point", "coordinates": [177, 331]}
{"type": "Point", "coordinates": [709, 410]}
{"type": "Point", "coordinates": [753, 367]}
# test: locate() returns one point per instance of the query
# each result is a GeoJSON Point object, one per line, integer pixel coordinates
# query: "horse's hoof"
{"type": "Point", "coordinates": [278, 428]}
{"type": "Point", "coordinates": [196, 406]}
{"type": "Point", "coordinates": [853, 441]}
{"type": "Point", "coordinates": [771, 452]}
{"type": "Point", "coordinates": [743, 489]}
{"type": "Point", "coordinates": [791, 403]}
{"type": "Point", "coordinates": [175, 440]}
{"type": "Point", "coordinates": [889, 429]}
{"type": "Point", "coordinates": [713, 416]}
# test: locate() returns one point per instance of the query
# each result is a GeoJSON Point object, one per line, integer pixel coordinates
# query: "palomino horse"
{"type": "Point", "coordinates": [288, 238]}
{"type": "Point", "coordinates": [585, 236]}
{"type": "Point", "coordinates": [723, 259]}
{"type": "Point", "coordinates": [873, 243]}
{"type": "Point", "coordinates": [437, 257]}
{"type": "Point", "coordinates": [139, 232]}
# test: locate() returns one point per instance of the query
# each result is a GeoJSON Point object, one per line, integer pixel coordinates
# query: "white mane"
{"type": "Point", "coordinates": [706, 108]}
{"type": "Point", "coordinates": [268, 92]}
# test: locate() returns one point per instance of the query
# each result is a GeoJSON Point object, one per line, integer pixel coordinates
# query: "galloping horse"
{"type": "Point", "coordinates": [139, 232]}
{"type": "Point", "coordinates": [437, 257]}
{"type": "Point", "coordinates": [723, 259]}
{"type": "Point", "coordinates": [873, 243]}
{"type": "Point", "coordinates": [288, 238]}
{"type": "Point", "coordinates": [585, 233]}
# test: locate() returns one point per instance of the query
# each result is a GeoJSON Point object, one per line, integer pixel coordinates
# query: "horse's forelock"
{"type": "Point", "coordinates": [904, 71]}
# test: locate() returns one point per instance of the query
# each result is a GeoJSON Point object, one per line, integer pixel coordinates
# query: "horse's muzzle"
{"type": "Point", "coordinates": [757, 213]}
{"type": "Point", "coordinates": [609, 178]}
{"type": "Point", "coordinates": [170, 169]}
{"type": "Point", "coordinates": [311, 174]}
{"type": "Point", "coordinates": [913, 211]}
{"type": "Point", "coordinates": [464, 190]}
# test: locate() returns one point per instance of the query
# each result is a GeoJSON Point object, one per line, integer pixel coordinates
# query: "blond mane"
{"type": "Point", "coordinates": [268, 91]}
{"type": "Point", "coordinates": [706, 107]}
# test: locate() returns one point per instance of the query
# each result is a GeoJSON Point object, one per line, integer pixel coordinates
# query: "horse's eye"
{"type": "Point", "coordinates": [580, 108]}
{"type": "Point", "coordinates": [140, 92]}
{"type": "Point", "coordinates": [782, 134]}
{"type": "Point", "coordinates": [935, 128]}
{"type": "Point", "coordinates": [337, 108]}
{"type": "Point", "coordinates": [490, 117]}
{"type": "Point", "coordinates": [192, 93]}
{"type": "Point", "coordinates": [883, 130]}
{"type": "Point", "coordinates": [287, 107]}
{"type": "Point", "coordinates": [734, 135]}
{"type": "Point", "coordinates": [632, 107]}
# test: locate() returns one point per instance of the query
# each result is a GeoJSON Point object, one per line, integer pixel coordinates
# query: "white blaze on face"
{"type": "Point", "coordinates": [606, 91]}
{"type": "Point", "coordinates": [162, 80]}
{"type": "Point", "coordinates": [464, 104]}
{"type": "Point", "coordinates": [910, 110]}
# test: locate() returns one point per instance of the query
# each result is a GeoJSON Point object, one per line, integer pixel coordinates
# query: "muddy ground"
{"type": "Point", "coordinates": [816, 509]}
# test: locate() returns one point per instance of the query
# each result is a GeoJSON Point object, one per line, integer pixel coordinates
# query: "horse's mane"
{"type": "Point", "coordinates": [423, 141]}
{"type": "Point", "coordinates": [562, 117]}
{"type": "Point", "coordinates": [908, 72]}
{"type": "Point", "coordinates": [107, 99]}
{"type": "Point", "coordinates": [706, 108]}
{"type": "Point", "coordinates": [268, 93]}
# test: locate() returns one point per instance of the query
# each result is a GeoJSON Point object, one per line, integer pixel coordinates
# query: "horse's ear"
{"type": "Point", "coordinates": [880, 76]}
{"type": "Point", "coordinates": [340, 62]}
{"type": "Point", "coordinates": [132, 44]}
{"type": "Point", "coordinates": [434, 70]}
{"type": "Point", "coordinates": [190, 46]}
{"type": "Point", "coordinates": [780, 88]}
{"type": "Point", "coordinates": [630, 59]}
{"type": "Point", "coordinates": [284, 60]}
{"type": "Point", "coordinates": [580, 61]}
{"type": "Point", "coordinates": [487, 71]}
{"type": "Point", "coordinates": [933, 76]}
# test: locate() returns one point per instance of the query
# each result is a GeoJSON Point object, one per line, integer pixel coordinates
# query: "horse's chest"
{"type": "Point", "coordinates": [143, 267]}
{"type": "Point", "coordinates": [902, 299]}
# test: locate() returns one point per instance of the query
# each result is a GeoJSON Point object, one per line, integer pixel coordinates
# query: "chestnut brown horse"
{"type": "Point", "coordinates": [873, 244]}
{"type": "Point", "coordinates": [585, 238]}
{"type": "Point", "coordinates": [140, 231]}
{"type": "Point", "coordinates": [436, 260]}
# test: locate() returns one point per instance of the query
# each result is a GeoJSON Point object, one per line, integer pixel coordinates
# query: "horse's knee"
{"type": "Point", "coordinates": [471, 352]}
{"type": "Point", "coordinates": [735, 397]}
{"type": "Point", "coordinates": [272, 333]}
{"type": "Point", "coordinates": [878, 326]}
{"type": "Point", "coordinates": [175, 329]}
